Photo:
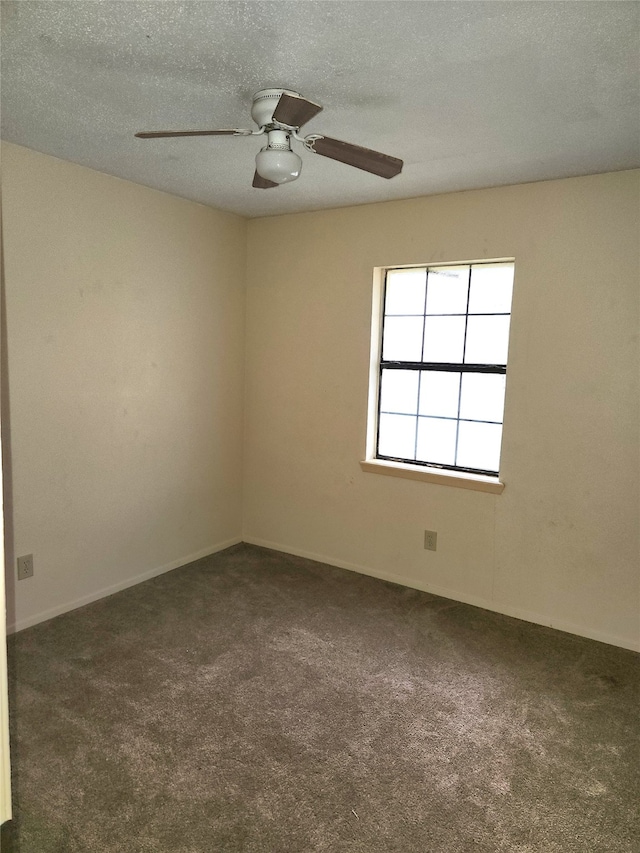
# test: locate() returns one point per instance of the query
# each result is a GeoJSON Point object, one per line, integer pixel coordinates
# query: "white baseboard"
{"type": "Point", "coordinates": [455, 595]}
{"type": "Point", "coordinates": [44, 615]}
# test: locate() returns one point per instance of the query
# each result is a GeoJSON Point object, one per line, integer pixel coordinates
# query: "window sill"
{"type": "Point", "coordinates": [457, 479]}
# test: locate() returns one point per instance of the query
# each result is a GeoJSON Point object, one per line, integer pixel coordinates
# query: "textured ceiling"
{"type": "Point", "coordinates": [468, 94]}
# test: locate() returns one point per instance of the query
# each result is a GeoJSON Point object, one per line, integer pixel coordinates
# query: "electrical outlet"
{"type": "Point", "coordinates": [430, 540]}
{"type": "Point", "coordinates": [25, 567]}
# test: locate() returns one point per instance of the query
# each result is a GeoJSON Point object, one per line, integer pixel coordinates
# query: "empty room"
{"type": "Point", "coordinates": [321, 506]}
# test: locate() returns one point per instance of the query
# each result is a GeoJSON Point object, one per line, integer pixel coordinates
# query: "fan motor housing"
{"type": "Point", "coordinates": [264, 103]}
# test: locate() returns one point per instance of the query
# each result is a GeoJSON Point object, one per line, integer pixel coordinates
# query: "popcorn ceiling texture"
{"type": "Point", "coordinates": [469, 94]}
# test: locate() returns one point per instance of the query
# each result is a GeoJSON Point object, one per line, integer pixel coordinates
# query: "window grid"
{"type": "Point", "coordinates": [464, 352]}
{"type": "Point", "coordinates": [424, 326]}
{"type": "Point", "coordinates": [422, 366]}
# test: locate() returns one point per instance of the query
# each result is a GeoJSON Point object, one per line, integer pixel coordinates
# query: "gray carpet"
{"type": "Point", "coordinates": [255, 701]}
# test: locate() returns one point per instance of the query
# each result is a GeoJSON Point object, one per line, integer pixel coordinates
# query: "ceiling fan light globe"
{"type": "Point", "coordinates": [279, 166]}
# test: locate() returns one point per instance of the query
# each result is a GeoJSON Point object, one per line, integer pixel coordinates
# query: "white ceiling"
{"type": "Point", "coordinates": [468, 94]}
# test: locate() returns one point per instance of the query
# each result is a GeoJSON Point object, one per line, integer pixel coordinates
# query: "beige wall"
{"type": "Point", "coordinates": [560, 545]}
{"type": "Point", "coordinates": [125, 321]}
{"type": "Point", "coordinates": [125, 328]}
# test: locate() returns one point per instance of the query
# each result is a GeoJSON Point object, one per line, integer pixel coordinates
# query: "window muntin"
{"type": "Point", "coordinates": [443, 362]}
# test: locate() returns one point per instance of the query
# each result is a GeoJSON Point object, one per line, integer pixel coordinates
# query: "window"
{"type": "Point", "coordinates": [442, 366]}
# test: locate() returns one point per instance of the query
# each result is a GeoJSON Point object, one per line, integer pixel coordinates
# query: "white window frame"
{"type": "Point", "coordinates": [423, 473]}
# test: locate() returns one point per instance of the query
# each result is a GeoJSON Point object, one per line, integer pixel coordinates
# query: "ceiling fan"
{"type": "Point", "coordinates": [280, 113]}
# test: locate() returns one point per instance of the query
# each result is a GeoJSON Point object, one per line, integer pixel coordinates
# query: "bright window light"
{"type": "Point", "coordinates": [443, 365]}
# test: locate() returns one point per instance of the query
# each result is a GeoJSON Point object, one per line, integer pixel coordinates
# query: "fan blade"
{"type": "Point", "coordinates": [294, 111]}
{"type": "Point", "coordinates": [155, 134]}
{"type": "Point", "coordinates": [354, 155]}
{"type": "Point", "coordinates": [262, 183]}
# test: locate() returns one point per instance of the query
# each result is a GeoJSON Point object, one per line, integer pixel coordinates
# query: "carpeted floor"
{"type": "Point", "coordinates": [255, 701]}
